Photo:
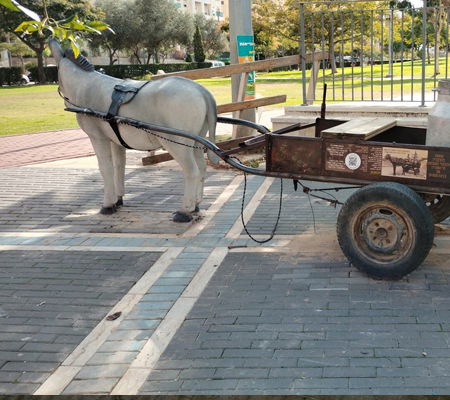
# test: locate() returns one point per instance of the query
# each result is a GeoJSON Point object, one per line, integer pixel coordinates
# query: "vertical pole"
{"type": "Point", "coordinates": [390, 28]}
{"type": "Point", "coordinates": [240, 14]}
{"type": "Point", "coordinates": [424, 45]}
{"type": "Point", "coordinates": [303, 52]}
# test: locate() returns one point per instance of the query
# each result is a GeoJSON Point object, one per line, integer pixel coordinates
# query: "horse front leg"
{"type": "Point", "coordinates": [102, 148]}
{"type": "Point", "coordinates": [119, 162]}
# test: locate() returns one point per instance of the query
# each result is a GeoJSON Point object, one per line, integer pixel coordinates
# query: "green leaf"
{"type": "Point", "coordinates": [28, 27]}
{"type": "Point", "coordinates": [76, 24]}
{"type": "Point", "coordinates": [9, 4]}
{"type": "Point", "coordinates": [74, 46]}
{"type": "Point", "coordinates": [59, 32]}
{"type": "Point", "coordinates": [98, 25]}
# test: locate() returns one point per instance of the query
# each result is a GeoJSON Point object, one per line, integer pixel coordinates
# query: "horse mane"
{"type": "Point", "coordinates": [81, 61]}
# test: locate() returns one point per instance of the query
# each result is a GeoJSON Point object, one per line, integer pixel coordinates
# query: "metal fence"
{"type": "Point", "coordinates": [374, 55]}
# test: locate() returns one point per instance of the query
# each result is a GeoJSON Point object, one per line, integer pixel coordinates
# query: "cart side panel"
{"type": "Point", "coordinates": [288, 154]}
{"type": "Point", "coordinates": [424, 168]}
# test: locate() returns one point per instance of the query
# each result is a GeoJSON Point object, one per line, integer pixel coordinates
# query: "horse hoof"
{"type": "Point", "coordinates": [108, 210]}
{"type": "Point", "coordinates": [119, 203]}
{"type": "Point", "coordinates": [181, 217]}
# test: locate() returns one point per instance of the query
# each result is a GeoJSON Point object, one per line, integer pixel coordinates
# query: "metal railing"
{"type": "Point", "coordinates": [374, 55]}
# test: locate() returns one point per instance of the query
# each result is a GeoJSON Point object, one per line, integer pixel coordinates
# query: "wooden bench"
{"type": "Point", "coordinates": [364, 129]}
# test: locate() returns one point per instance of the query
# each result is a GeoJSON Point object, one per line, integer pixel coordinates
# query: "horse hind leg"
{"type": "Point", "coordinates": [201, 164]}
{"type": "Point", "coordinates": [186, 159]}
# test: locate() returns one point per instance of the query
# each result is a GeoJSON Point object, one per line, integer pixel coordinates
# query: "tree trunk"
{"type": "Point", "coordinates": [39, 55]}
{"type": "Point", "coordinates": [437, 45]}
{"type": "Point", "coordinates": [136, 54]}
{"type": "Point", "coordinates": [111, 54]}
{"type": "Point", "coordinates": [331, 57]}
{"type": "Point", "coordinates": [40, 63]}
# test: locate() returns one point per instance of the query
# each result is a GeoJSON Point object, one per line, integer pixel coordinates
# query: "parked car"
{"type": "Point", "coordinates": [216, 63]}
{"type": "Point", "coordinates": [25, 79]}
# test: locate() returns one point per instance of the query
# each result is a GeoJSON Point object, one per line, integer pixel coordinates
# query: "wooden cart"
{"type": "Point", "coordinates": [386, 227]}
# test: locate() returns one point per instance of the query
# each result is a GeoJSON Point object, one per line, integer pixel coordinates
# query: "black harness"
{"type": "Point", "coordinates": [121, 94]}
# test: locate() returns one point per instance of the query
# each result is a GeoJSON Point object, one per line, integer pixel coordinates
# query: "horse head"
{"type": "Point", "coordinates": [58, 54]}
{"type": "Point", "coordinates": [74, 73]}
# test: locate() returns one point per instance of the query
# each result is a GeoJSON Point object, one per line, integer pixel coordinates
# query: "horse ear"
{"type": "Point", "coordinates": [56, 50]}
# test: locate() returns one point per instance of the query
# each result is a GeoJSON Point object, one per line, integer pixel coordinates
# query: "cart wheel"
{"type": "Point", "coordinates": [438, 204]}
{"type": "Point", "coordinates": [385, 229]}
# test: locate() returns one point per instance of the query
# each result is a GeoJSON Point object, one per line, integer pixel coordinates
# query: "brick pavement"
{"type": "Point", "coordinates": [216, 313]}
{"type": "Point", "coordinates": [50, 301]}
{"type": "Point", "coordinates": [69, 199]}
{"type": "Point", "coordinates": [269, 325]}
{"type": "Point", "coordinates": [17, 150]}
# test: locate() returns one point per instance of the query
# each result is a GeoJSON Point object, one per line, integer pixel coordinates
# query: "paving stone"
{"type": "Point", "coordinates": [296, 372]}
{"type": "Point", "coordinates": [124, 345]}
{"type": "Point", "coordinates": [91, 386]}
{"type": "Point", "coordinates": [164, 375]}
{"type": "Point", "coordinates": [17, 388]}
{"type": "Point", "coordinates": [196, 373]}
{"type": "Point", "coordinates": [112, 358]}
{"type": "Point", "coordinates": [208, 385]}
{"type": "Point", "coordinates": [102, 371]}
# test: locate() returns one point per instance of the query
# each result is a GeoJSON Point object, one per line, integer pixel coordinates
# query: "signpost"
{"type": "Point", "coordinates": [246, 53]}
{"type": "Point", "coordinates": [241, 27]}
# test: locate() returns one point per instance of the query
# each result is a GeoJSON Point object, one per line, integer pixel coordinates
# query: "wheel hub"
{"type": "Point", "coordinates": [382, 232]}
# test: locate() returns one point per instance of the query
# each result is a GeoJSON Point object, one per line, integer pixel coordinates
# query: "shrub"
{"type": "Point", "coordinates": [10, 76]}
{"type": "Point", "coordinates": [138, 71]}
{"type": "Point", "coordinates": [50, 72]}
{"type": "Point", "coordinates": [125, 71]}
{"type": "Point", "coordinates": [199, 52]}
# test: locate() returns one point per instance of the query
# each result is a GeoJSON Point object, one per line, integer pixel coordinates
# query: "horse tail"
{"type": "Point", "coordinates": [211, 116]}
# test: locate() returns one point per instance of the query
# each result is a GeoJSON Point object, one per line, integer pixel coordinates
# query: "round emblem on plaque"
{"type": "Point", "coordinates": [352, 161]}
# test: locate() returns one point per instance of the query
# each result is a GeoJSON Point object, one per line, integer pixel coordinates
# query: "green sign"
{"type": "Point", "coordinates": [246, 53]}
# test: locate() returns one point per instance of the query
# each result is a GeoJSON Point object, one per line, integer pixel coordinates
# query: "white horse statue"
{"type": "Point", "coordinates": [172, 102]}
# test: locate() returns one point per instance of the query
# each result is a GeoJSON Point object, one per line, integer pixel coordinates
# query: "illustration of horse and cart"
{"type": "Point", "coordinates": [385, 228]}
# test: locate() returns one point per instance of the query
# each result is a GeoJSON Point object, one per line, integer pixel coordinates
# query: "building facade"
{"type": "Point", "coordinates": [217, 9]}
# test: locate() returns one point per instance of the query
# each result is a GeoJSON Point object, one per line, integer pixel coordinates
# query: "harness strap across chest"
{"type": "Point", "coordinates": [121, 94]}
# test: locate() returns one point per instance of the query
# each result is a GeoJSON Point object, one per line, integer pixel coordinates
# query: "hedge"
{"type": "Point", "coordinates": [50, 72]}
{"type": "Point", "coordinates": [10, 76]}
{"type": "Point", "coordinates": [125, 71]}
{"type": "Point", "coordinates": [139, 70]}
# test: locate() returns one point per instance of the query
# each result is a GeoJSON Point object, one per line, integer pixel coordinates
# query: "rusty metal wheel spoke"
{"type": "Point", "coordinates": [383, 233]}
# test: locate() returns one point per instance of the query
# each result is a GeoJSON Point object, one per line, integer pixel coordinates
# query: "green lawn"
{"type": "Point", "coordinates": [28, 109]}
{"type": "Point", "coordinates": [39, 108]}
